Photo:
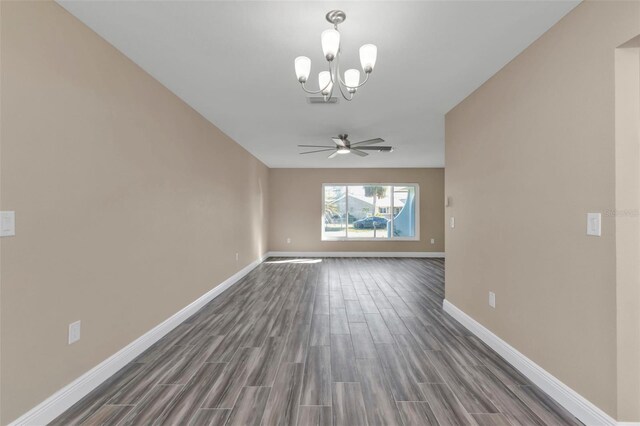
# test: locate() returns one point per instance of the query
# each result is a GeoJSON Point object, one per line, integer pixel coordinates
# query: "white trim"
{"type": "Point", "coordinates": [575, 403]}
{"type": "Point", "coordinates": [370, 239]}
{"type": "Point", "coordinates": [355, 254]}
{"type": "Point", "coordinates": [63, 399]}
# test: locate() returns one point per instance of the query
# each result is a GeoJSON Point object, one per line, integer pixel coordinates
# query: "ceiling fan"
{"type": "Point", "coordinates": [344, 146]}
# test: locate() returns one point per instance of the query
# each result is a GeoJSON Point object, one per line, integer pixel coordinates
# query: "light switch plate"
{"type": "Point", "coordinates": [492, 299]}
{"type": "Point", "coordinates": [7, 224]}
{"type": "Point", "coordinates": [452, 222]}
{"type": "Point", "coordinates": [594, 224]}
{"type": "Point", "coordinates": [74, 332]}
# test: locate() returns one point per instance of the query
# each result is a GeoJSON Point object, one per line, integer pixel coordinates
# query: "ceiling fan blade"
{"type": "Point", "coordinates": [317, 146]}
{"type": "Point", "coordinates": [358, 152]}
{"type": "Point", "coordinates": [338, 141]}
{"type": "Point", "coordinates": [319, 150]}
{"type": "Point", "coordinates": [376, 148]}
{"type": "Point", "coordinates": [368, 142]}
{"type": "Point", "coordinates": [333, 155]}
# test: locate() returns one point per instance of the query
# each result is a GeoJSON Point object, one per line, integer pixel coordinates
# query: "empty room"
{"type": "Point", "coordinates": [320, 213]}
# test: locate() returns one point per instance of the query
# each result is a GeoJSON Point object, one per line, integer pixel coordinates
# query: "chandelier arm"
{"type": "Point", "coordinates": [337, 60]}
{"type": "Point", "coordinates": [331, 78]}
{"type": "Point", "coordinates": [310, 91]}
{"type": "Point", "coordinates": [315, 92]}
{"type": "Point", "coordinates": [339, 79]}
{"type": "Point", "coordinates": [359, 85]}
{"type": "Point", "coordinates": [343, 95]}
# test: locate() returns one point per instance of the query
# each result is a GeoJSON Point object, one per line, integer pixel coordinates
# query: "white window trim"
{"type": "Point", "coordinates": [393, 238]}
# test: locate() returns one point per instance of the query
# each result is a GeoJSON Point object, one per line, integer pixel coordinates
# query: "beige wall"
{"type": "Point", "coordinates": [129, 205]}
{"type": "Point", "coordinates": [528, 155]}
{"type": "Point", "coordinates": [627, 212]}
{"type": "Point", "coordinates": [295, 208]}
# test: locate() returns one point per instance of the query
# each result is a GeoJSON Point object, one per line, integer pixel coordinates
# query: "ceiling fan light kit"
{"type": "Point", "coordinates": [328, 80]}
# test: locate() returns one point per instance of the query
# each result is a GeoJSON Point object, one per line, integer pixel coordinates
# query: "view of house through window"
{"type": "Point", "coordinates": [366, 211]}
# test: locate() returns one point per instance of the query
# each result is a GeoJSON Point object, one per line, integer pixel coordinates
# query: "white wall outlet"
{"type": "Point", "coordinates": [288, 240]}
{"type": "Point", "coordinates": [594, 224]}
{"type": "Point", "coordinates": [433, 241]}
{"type": "Point", "coordinates": [7, 224]}
{"type": "Point", "coordinates": [452, 222]}
{"type": "Point", "coordinates": [492, 299]}
{"type": "Point", "coordinates": [237, 256]}
{"type": "Point", "coordinates": [74, 332]}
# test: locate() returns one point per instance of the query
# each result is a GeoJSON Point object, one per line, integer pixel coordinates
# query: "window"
{"type": "Point", "coordinates": [364, 212]}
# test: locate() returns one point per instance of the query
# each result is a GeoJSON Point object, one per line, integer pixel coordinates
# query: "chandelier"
{"type": "Point", "coordinates": [328, 80]}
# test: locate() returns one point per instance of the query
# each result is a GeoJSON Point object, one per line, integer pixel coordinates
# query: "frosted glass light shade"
{"type": "Point", "coordinates": [324, 80]}
{"type": "Point", "coordinates": [330, 43]}
{"type": "Point", "coordinates": [368, 55]}
{"type": "Point", "coordinates": [352, 77]}
{"type": "Point", "coordinates": [303, 68]}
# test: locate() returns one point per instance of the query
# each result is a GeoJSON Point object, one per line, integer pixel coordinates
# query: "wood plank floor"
{"type": "Point", "coordinates": [356, 341]}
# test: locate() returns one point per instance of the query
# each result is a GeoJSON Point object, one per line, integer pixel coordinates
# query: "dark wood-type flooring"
{"type": "Point", "coordinates": [358, 341]}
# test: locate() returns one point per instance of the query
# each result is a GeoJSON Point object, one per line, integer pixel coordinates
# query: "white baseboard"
{"type": "Point", "coordinates": [575, 403]}
{"type": "Point", "coordinates": [355, 254]}
{"type": "Point", "coordinates": [63, 399]}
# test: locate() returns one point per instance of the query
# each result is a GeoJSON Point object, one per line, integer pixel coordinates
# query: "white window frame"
{"type": "Point", "coordinates": [393, 238]}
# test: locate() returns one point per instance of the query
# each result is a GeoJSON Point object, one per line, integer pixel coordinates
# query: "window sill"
{"type": "Point", "coordinates": [370, 239]}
